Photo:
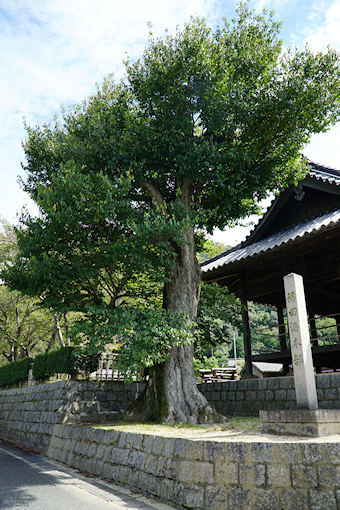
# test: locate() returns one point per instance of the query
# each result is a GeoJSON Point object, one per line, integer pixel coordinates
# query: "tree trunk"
{"type": "Point", "coordinates": [171, 395]}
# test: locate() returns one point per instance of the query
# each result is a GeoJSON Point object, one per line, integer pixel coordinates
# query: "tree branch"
{"type": "Point", "coordinates": [153, 192]}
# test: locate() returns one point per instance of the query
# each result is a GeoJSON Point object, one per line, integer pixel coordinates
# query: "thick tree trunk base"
{"type": "Point", "coordinates": [171, 395]}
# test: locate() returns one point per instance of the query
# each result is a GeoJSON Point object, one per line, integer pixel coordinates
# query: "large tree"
{"type": "Point", "coordinates": [203, 125]}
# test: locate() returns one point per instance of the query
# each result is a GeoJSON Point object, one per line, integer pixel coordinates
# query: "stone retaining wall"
{"type": "Point", "coordinates": [248, 397]}
{"type": "Point", "coordinates": [27, 415]}
{"type": "Point", "coordinates": [209, 475]}
{"type": "Point", "coordinates": [205, 475]}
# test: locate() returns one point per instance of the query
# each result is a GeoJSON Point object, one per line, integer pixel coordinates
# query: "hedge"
{"type": "Point", "coordinates": [66, 360]}
{"type": "Point", "coordinates": [54, 362]}
{"type": "Point", "coordinates": [15, 373]}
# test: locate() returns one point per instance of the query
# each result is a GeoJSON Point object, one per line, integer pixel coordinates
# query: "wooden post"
{"type": "Point", "coordinates": [246, 330]}
{"type": "Point", "coordinates": [338, 326]}
{"type": "Point", "coordinates": [282, 335]}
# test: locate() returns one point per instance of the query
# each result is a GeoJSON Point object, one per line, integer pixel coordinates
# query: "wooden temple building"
{"type": "Point", "coordinates": [300, 233]}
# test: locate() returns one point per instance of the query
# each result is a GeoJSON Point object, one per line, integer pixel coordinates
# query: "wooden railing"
{"type": "Point", "coordinates": [110, 368]}
{"type": "Point", "coordinates": [218, 374]}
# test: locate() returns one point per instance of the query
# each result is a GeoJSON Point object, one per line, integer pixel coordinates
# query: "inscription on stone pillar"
{"type": "Point", "coordinates": [304, 378]}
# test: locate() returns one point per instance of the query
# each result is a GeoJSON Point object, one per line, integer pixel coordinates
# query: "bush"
{"type": "Point", "coordinates": [66, 360]}
{"type": "Point", "coordinates": [15, 373]}
{"type": "Point", "coordinates": [54, 362]}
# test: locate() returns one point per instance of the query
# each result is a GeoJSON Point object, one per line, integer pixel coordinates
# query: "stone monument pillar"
{"type": "Point", "coordinates": [307, 420]}
{"type": "Point", "coordinates": [304, 377]}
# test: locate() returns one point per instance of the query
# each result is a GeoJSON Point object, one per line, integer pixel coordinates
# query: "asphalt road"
{"type": "Point", "coordinates": [33, 482]}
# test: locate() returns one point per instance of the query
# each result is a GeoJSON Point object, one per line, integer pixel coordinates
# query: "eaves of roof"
{"type": "Point", "coordinates": [285, 237]}
{"type": "Point", "coordinates": [324, 174]}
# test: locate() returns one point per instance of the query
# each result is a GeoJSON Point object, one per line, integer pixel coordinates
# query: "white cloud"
{"type": "Point", "coordinates": [54, 51]}
{"type": "Point", "coordinates": [326, 23]}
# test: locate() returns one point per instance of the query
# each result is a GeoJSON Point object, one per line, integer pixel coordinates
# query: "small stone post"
{"type": "Point", "coordinates": [305, 386]}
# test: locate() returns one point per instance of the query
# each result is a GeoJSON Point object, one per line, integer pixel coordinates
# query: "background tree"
{"type": "Point", "coordinates": [203, 126]}
{"type": "Point", "coordinates": [26, 327]}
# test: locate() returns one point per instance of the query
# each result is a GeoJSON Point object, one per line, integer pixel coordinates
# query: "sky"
{"type": "Point", "coordinates": [54, 52]}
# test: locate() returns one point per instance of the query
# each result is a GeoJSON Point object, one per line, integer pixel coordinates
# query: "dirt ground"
{"type": "Point", "coordinates": [236, 429]}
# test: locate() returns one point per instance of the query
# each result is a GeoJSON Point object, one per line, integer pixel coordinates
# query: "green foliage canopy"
{"type": "Point", "coordinates": [204, 124]}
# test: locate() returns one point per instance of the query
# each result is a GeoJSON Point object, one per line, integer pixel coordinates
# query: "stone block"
{"type": "Point", "coordinates": [137, 441]}
{"type": "Point", "coordinates": [252, 384]}
{"type": "Point", "coordinates": [226, 473]}
{"type": "Point", "coordinates": [278, 475]}
{"type": "Point", "coordinates": [240, 395]}
{"type": "Point", "coordinates": [167, 489]}
{"type": "Point", "coordinates": [322, 500]}
{"type": "Point", "coordinates": [313, 453]}
{"type": "Point", "coordinates": [286, 382]}
{"type": "Point", "coordinates": [132, 458]}
{"type": "Point", "coordinates": [333, 452]}
{"type": "Point", "coordinates": [146, 445]}
{"type": "Point", "coordinates": [331, 393]}
{"type": "Point", "coordinates": [304, 477]}
{"type": "Point", "coordinates": [141, 460]}
{"type": "Point", "coordinates": [320, 394]}
{"type": "Point", "coordinates": [207, 395]}
{"type": "Point", "coordinates": [219, 406]}
{"type": "Point", "coordinates": [303, 422]}
{"type": "Point", "coordinates": [186, 471]}
{"type": "Point", "coordinates": [168, 448]}
{"type": "Point", "coordinates": [288, 453]}
{"type": "Point", "coordinates": [252, 475]}
{"type": "Point", "coordinates": [266, 499]}
{"type": "Point", "coordinates": [123, 474]}
{"type": "Point", "coordinates": [178, 493]}
{"type": "Point", "coordinates": [157, 445]}
{"type": "Point", "coordinates": [213, 450]}
{"type": "Point", "coordinates": [179, 449]}
{"type": "Point", "coordinates": [329, 476]}
{"type": "Point", "coordinates": [194, 450]}
{"type": "Point", "coordinates": [240, 499]}
{"type": "Point", "coordinates": [270, 395]}
{"type": "Point", "coordinates": [215, 396]}
{"type": "Point", "coordinates": [204, 473]}
{"type": "Point", "coordinates": [172, 469]}
{"type": "Point", "coordinates": [151, 464]}
{"type": "Point", "coordinates": [241, 384]}
{"type": "Point", "coordinates": [238, 452]}
{"type": "Point", "coordinates": [263, 452]}
{"type": "Point", "coordinates": [273, 383]}
{"type": "Point", "coordinates": [261, 395]}
{"type": "Point", "coordinates": [161, 469]}
{"type": "Point", "coordinates": [133, 479]}
{"type": "Point", "coordinates": [216, 498]}
{"type": "Point", "coordinates": [280, 394]}
{"type": "Point", "coordinates": [193, 497]}
{"type": "Point", "coordinates": [250, 396]}
{"type": "Point", "coordinates": [323, 380]}
{"type": "Point", "coordinates": [121, 441]}
{"type": "Point", "coordinates": [295, 499]}
{"type": "Point", "coordinates": [154, 485]}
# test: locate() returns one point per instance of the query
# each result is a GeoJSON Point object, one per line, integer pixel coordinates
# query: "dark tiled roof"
{"type": "Point", "coordinates": [322, 173]}
{"type": "Point", "coordinates": [273, 242]}
{"type": "Point", "coordinates": [247, 249]}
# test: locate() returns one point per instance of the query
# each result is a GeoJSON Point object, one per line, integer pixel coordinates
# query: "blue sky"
{"type": "Point", "coordinates": [53, 52]}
